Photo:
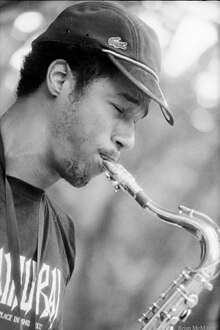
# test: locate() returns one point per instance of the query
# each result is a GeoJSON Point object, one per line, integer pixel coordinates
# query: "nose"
{"type": "Point", "coordinates": [125, 137]}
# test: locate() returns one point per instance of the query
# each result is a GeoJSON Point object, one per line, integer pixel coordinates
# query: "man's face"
{"type": "Point", "coordinates": [96, 125]}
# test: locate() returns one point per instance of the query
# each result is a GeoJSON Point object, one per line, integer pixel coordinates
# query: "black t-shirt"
{"type": "Point", "coordinates": [43, 297]}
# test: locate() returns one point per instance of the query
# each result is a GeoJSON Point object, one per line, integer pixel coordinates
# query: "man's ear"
{"type": "Point", "coordinates": [57, 73]}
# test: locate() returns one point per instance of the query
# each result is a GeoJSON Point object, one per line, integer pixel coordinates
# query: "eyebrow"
{"type": "Point", "coordinates": [138, 101]}
{"type": "Point", "coordinates": [129, 98]}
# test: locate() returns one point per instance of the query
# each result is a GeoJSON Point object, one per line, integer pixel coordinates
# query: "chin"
{"type": "Point", "coordinates": [83, 181]}
{"type": "Point", "coordinates": [79, 176]}
{"type": "Point", "coordinates": [78, 182]}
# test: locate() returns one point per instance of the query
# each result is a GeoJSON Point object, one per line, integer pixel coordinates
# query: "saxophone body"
{"type": "Point", "coordinates": [176, 302]}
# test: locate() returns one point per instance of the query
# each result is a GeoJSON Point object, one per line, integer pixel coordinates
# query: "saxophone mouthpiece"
{"type": "Point", "coordinates": [121, 178]}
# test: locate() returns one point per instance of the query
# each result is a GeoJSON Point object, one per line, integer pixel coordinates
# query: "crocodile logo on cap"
{"type": "Point", "coordinates": [117, 43]}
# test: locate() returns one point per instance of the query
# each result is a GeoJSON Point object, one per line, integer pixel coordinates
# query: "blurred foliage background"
{"type": "Point", "coordinates": [125, 256]}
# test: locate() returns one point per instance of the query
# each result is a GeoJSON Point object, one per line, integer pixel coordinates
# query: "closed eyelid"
{"type": "Point", "coordinates": [133, 112]}
{"type": "Point", "coordinates": [118, 107]}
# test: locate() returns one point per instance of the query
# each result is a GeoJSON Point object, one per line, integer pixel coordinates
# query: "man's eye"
{"type": "Point", "coordinates": [119, 109]}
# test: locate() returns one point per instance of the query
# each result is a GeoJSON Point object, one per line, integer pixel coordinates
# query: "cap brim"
{"type": "Point", "coordinates": [146, 82]}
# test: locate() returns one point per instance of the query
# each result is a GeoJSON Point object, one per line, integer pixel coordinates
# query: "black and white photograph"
{"type": "Point", "coordinates": [109, 165]}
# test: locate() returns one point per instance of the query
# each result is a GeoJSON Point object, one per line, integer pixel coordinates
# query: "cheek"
{"type": "Point", "coordinates": [96, 126]}
{"type": "Point", "coordinates": [66, 119]}
{"type": "Point", "coordinates": [92, 136]}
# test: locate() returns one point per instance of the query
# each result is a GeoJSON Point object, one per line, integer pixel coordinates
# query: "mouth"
{"type": "Point", "coordinates": [109, 158]}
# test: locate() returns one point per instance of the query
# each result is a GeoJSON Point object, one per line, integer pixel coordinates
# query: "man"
{"type": "Point", "coordinates": [88, 79]}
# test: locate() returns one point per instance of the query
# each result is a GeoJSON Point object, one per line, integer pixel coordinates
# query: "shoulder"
{"type": "Point", "coordinates": [65, 229]}
{"type": "Point", "coordinates": [59, 213]}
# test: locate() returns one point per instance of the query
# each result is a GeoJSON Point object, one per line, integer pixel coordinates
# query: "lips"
{"type": "Point", "coordinates": [109, 158]}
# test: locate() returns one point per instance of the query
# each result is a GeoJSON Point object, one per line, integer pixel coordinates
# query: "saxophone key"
{"type": "Point", "coordinates": [143, 320]}
{"type": "Point", "coordinates": [153, 308]}
{"type": "Point", "coordinates": [156, 306]}
{"type": "Point", "coordinates": [185, 314]}
{"type": "Point", "coordinates": [182, 287]}
{"type": "Point", "coordinates": [182, 290]}
{"type": "Point", "coordinates": [163, 295]}
{"type": "Point", "coordinates": [174, 320]}
{"type": "Point", "coordinates": [186, 275]}
{"type": "Point", "coordinates": [164, 315]}
{"type": "Point", "coordinates": [186, 210]}
{"type": "Point", "coordinates": [205, 282]}
{"type": "Point", "coordinates": [192, 300]}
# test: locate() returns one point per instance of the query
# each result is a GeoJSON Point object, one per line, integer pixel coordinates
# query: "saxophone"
{"type": "Point", "coordinates": [176, 302]}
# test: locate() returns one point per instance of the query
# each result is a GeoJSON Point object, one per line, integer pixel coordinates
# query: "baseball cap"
{"type": "Point", "coordinates": [130, 43]}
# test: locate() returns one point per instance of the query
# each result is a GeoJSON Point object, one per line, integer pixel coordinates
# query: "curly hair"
{"type": "Point", "coordinates": [86, 61]}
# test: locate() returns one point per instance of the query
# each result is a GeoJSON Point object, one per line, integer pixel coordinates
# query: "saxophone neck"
{"type": "Point", "coordinates": [203, 228]}
{"type": "Point", "coordinates": [199, 224]}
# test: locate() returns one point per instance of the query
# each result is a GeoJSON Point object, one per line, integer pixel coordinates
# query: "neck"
{"type": "Point", "coordinates": [26, 138]}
